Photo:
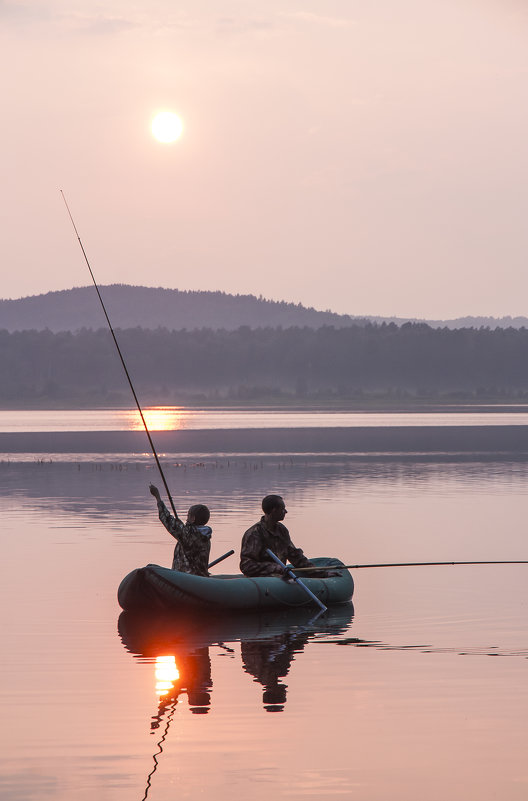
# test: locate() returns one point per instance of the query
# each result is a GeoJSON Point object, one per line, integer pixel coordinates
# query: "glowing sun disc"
{"type": "Point", "coordinates": [167, 126]}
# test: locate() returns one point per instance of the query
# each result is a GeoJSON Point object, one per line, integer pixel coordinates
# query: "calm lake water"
{"type": "Point", "coordinates": [418, 691]}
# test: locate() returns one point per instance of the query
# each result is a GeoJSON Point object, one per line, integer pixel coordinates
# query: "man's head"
{"type": "Point", "coordinates": [274, 697]}
{"type": "Point", "coordinates": [274, 508]}
{"type": "Point", "coordinates": [198, 514]}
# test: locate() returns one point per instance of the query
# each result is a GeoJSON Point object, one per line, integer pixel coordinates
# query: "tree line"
{"type": "Point", "coordinates": [409, 360]}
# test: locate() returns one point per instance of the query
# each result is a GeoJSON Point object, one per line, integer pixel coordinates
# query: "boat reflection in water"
{"type": "Point", "coordinates": [179, 647]}
{"type": "Point", "coordinates": [269, 642]}
{"type": "Point", "coordinates": [191, 674]}
{"type": "Point", "coordinates": [269, 660]}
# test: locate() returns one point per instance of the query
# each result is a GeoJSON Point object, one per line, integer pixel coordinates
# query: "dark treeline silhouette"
{"type": "Point", "coordinates": [411, 360]}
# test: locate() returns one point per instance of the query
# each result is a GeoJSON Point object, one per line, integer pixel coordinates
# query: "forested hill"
{"type": "Point", "coordinates": [173, 309]}
{"type": "Point", "coordinates": [151, 308]}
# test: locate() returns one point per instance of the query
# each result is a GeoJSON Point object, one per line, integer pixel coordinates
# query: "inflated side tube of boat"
{"type": "Point", "coordinates": [156, 587]}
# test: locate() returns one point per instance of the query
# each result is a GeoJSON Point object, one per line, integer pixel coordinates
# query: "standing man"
{"type": "Point", "coordinates": [270, 533]}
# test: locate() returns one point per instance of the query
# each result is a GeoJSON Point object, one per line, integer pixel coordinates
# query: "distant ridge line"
{"type": "Point", "coordinates": [154, 307]}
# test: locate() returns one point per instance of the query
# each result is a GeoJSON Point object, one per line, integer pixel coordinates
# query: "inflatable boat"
{"type": "Point", "coordinates": [163, 589]}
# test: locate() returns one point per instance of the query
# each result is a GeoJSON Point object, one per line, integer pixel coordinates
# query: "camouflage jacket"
{"type": "Point", "coordinates": [254, 561]}
{"type": "Point", "coordinates": [191, 553]}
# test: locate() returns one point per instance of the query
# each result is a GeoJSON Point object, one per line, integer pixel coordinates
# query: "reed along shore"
{"type": "Point", "coordinates": [398, 439]}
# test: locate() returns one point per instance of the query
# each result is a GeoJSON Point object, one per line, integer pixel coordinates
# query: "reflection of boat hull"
{"type": "Point", "coordinates": [151, 635]}
{"type": "Point", "coordinates": [155, 587]}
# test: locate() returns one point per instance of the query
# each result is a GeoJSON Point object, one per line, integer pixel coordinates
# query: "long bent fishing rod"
{"type": "Point", "coordinates": [122, 360]}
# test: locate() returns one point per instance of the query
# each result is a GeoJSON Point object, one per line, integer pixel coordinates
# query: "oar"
{"type": "Point", "coordinates": [298, 581]}
{"type": "Point", "coordinates": [405, 564]}
{"type": "Point", "coordinates": [220, 559]}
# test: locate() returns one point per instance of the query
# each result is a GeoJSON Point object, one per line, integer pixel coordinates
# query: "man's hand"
{"type": "Point", "coordinates": [154, 491]}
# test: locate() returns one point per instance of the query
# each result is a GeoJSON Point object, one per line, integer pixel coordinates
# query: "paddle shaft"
{"type": "Point", "coordinates": [122, 360]}
{"type": "Point", "coordinates": [407, 564]}
{"type": "Point", "coordinates": [297, 580]}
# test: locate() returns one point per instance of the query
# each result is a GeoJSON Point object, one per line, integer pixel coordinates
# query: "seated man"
{"type": "Point", "coordinates": [191, 552]}
{"type": "Point", "coordinates": [270, 533]}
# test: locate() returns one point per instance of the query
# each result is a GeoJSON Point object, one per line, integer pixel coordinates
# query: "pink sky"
{"type": "Point", "coordinates": [370, 158]}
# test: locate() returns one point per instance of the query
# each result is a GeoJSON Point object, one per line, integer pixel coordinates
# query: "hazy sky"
{"type": "Point", "coordinates": [367, 157]}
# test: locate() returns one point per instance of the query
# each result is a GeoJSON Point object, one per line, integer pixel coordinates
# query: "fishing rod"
{"type": "Point", "coordinates": [404, 564]}
{"type": "Point", "coordinates": [220, 558]}
{"type": "Point", "coordinates": [122, 360]}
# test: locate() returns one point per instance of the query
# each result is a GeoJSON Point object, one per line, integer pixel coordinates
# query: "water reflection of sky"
{"type": "Point", "coordinates": [233, 485]}
{"type": "Point", "coordinates": [431, 670]}
{"type": "Point", "coordinates": [172, 418]}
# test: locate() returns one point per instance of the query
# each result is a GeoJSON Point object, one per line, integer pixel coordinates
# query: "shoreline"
{"type": "Point", "coordinates": [376, 439]}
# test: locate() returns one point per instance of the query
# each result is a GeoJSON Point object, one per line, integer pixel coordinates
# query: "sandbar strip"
{"type": "Point", "coordinates": [404, 439]}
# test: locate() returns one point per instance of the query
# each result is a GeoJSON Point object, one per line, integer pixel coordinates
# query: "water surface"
{"type": "Point", "coordinates": [419, 692]}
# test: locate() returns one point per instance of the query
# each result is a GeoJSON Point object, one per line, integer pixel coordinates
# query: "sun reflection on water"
{"type": "Point", "coordinates": [159, 418]}
{"type": "Point", "coordinates": [166, 674]}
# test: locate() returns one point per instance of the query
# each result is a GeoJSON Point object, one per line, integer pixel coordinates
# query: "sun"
{"type": "Point", "coordinates": [167, 126]}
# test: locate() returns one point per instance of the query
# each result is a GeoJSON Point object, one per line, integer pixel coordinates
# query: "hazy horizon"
{"type": "Point", "coordinates": [367, 159]}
